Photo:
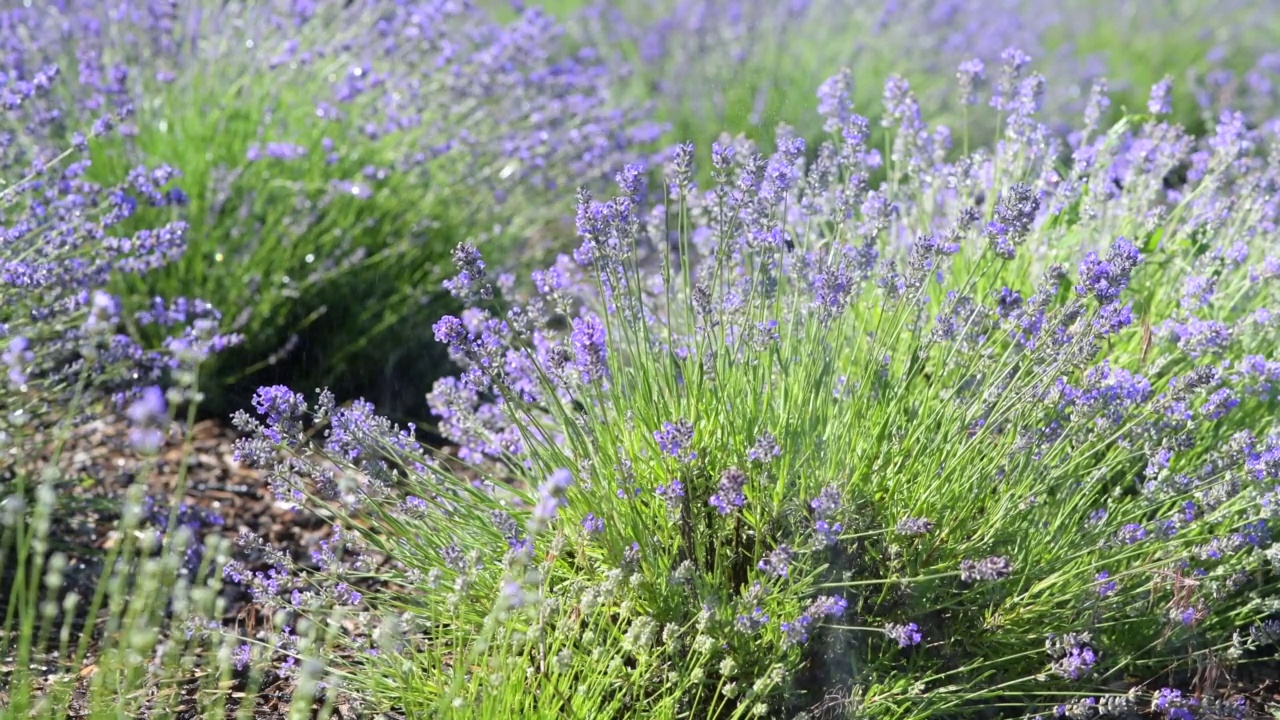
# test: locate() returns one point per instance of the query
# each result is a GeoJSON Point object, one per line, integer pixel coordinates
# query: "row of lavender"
{"type": "Point", "coordinates": [744, 65]}
{"type": "Point", "coordinates": [337, 148]}
{"type": "Point", "coordinates": [925, 430]}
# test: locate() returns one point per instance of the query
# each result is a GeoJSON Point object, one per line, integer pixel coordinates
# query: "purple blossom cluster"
{"type": "Point", "coordinates": [730, 492]}
{"type": "Point", "coordinates": [196, 521]}
{"type": "Point", "coordinates": [796, 632]}
{"type": "Point", "coordinates": [906, 635]}
{"type": "Point", "coordinates": [1072, 655]}
{"type": "Point", "coordinates": [676, 439]}
{"type": "Point", "coordinates": [826, 507]}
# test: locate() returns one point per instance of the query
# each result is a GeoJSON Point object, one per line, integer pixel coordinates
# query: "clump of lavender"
{"type": "Point", "coordinates": [339, 149]}
{"type": "Point", "coordinates": [1072, 654]}
{"type": "Point", "coordinates": [69, 344]}
{"type": "Point", "coordinates": [1011, 420]}
{"type": "Point", "coordinates": [676, 439]}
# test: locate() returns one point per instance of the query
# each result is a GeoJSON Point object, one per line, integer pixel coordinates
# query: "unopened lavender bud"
{"type": "Point", "coordinates": [13, 511]}
{"type": "Point", "coordinates": [562, 661]}
{"type": "Point", "coordinates": [703, 644]}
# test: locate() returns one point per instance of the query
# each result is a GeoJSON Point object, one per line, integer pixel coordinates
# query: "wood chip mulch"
{"type": "Point", "coordinates": [101, 454]}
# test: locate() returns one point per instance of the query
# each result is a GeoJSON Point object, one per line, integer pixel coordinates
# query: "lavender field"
{"type": "Point", "coordinates": [673, 359]}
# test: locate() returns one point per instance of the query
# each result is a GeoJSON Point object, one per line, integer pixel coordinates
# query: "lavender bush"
{"type": "Point", "coordinates": [996, 432]}
{"type": "Point", "coordinates": [746, 65]}
{"type": "Point", "coordinates": [69, 344]}
{"type": "Point", "coordinates": [333, 154]}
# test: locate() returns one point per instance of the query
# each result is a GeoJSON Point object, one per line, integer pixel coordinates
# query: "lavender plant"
{"type": "Point", "coordinates": [991, 431]}
{"type": "Point", "coordinates": [333, 153]}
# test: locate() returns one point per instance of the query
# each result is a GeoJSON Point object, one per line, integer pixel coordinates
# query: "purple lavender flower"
{"type": "Point", "coordinates": [1198, 336]}
{"type": "Point", "coordinates": [346, 594]}
{"type": "Point", "coordinates": [592, 525]}
{"type": "Point", "coordinates": [469, 283]}
{"type": "Point", "coordinates": [796, 632]}
{"type": "Point", "coordinates": [17, 357]}
{"type": "Point", "coordinates": [551, 497]}
{"type": "Point", "coordinates": [777, 563]}
{"type": "Point", "coordinates": [1161, 100]}
{"type": "Point", "coordinates": [1131, 533]}
{"type": "Point", "coordinates": [1015, 213]}
{"type": "Point", "coordinates": [1106, 279]}
{"type": "Point", "coordinates": [825, 507]}
{"type": "Point", "coordinates": [1172, 705]}
{"type": "Point", "coordinates": [751, 622]}
{"type": "Point", "coordinates": [276, 151]}
{"type": "Point", "coordinates": [1219, 403]}
{"type": "Point", "coordinates": [970, 74]}
{"type": "Point", "coordinates": [828, 606]}
{"type": "Point", "coordinates": [590, 349]}
{"type": "Point", "coordinates": [453, 558]}
{"type": "Point", "coordinates": [835, 104]}
{"type": "Point", "coordinates": [150, 408]}
{"type": "Point", "coordinates": [676, 439]}
{"type": "Point", "coordinates": [1106, 586]}
{"type": "Point", "coordinates": [512, 595]}
{"type": "Point", "coordinates": [631, 558]}
{"type": "Point", "coordinates": [765, 449]}
{"type": "Point", "coordinates": [1166, 698]}
{"type": "Point", "coordinates": [278, 403]}
{"type": "Point", "coordinates": [1008, 301]}
{"type": "Point", "coordinates": [1113, 318]}
{"type": "Point", "coordinates": [146, 414]}
{"type": "Point", "coordinates": [988, 569]}
{"type": "Point", "coordinates": [1076, 663]}
{"type": "Point", "coordinates": [914, 526]}
{"type": "Point", "coordinates": [671, 493]}
{"type": "Point", "coordinates": [826, 533]}
{"type": "Point", "coordinates": [506, 526]}
{"type": "Point", "coordinates": [1266, 632]}
{"type": "Point", "coordinates": [242, 656]}
{"type": "Point", "coordinates": [729, 494]}
{"type": "Point", "coordinates": [905, 635]}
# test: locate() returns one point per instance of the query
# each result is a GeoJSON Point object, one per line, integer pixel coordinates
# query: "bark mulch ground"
{"type": "Point", "coordinates": [98, 465]}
